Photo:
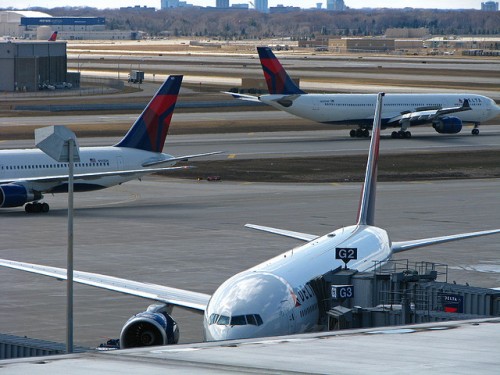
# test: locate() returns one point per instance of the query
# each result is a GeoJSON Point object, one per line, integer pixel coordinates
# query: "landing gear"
{"type": "Point", "coordinates": [36, 207]}
{"type": "Point", "coordinates": [401, 134]}
{"type": "Point", "coordinates": [359, 133]}
{"type": "Point", "coordinates": [475, 131]}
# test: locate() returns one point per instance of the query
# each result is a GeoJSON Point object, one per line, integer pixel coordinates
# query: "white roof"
{"type": "Point", "coordinates": [28, 13]}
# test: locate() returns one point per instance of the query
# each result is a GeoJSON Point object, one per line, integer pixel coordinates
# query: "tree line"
{"type": "Point", "coordinates": [304, 24]}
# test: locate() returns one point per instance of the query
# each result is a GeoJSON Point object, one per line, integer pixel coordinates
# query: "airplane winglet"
{"type": "Point", "coordinates": [277, 79]}
{"type": "Point", "coordinates": [366, 211]}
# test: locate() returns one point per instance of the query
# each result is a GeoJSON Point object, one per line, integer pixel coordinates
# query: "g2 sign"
{"type": "Point", "coordinates": [346, 254]}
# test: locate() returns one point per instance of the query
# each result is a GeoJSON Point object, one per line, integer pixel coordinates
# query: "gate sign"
{"type": "Point", "coordinates": [346, 254]}
{"type": "Point", "coordinates": [453, 303]}
{"type": "Point", "coordinates": [342, 291]}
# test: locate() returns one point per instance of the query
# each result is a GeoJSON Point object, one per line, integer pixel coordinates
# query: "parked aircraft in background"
{"type": "Point", "coordinates": [273, 298]}
{"type": "Point", "coordinates": [53, 37]}
{"type": "Point", "coordinates": [26, 174]}
{"type": "Point", "coordinates": [445, 112]}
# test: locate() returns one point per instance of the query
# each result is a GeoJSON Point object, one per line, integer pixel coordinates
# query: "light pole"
{"type": "Point", "coordinates": [61, 145]}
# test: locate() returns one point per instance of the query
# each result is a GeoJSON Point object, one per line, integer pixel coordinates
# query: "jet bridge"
{"type": "Point", "coordinates": [399, 293]}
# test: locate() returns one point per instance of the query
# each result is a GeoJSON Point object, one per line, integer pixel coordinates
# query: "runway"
{"type": "Point", "coordinates": [334, 142]}
{"type": "Point", "coordinates": [190, 235]}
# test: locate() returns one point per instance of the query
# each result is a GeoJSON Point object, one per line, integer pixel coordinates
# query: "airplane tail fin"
{"type": "Point", "coordinates": [277, 79]}
{"type": "Point", "coordinates": [366, 211]}
{"type": "Point", "coordinates": [53, 37]}
{"type": "Point", "coordinates": [150, 130]}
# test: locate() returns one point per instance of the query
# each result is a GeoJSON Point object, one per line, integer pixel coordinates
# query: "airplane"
{"type": "Point", "coordinates": [53, 37]}
{"type": "Point", "coordinates": [26, 174]}
{"type": "Point", "coordinates": [270, 299]}
{"type": "Point", "coordinates": [446, 112]}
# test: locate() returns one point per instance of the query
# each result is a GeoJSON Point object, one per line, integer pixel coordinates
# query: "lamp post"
{"type": "Point", "coordinates": [61, 145]}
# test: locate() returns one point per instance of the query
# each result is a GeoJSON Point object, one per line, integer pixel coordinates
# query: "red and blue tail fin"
{"type": "Point", "coordinates": [150, 129]}
{"type": "Point", "coordinates": [277, 79]}
{"type": "Point", "coordinates": [366, 211]}
{"type": "Point", "coordinates": [53, 37]}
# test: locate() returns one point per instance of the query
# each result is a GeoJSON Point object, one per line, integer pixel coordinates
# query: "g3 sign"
{"type": "Point", "coordinates": [342, 291]}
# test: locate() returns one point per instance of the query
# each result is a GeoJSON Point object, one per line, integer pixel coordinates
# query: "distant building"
{"type": "Point", "coordinates": [407, 32]}
{"type": "Point", "coordinates": [489, 6]}
{"type": "Point", "coordinates": [355, 45]}
{"type": "Point", "coordinates": [138, 8]}
{"type": "Point", "coordinates": [165, 4]}
{"type": "Point", "coordinates": [224, 4]}
{"type": "Point", "coordinates": [240, 6]}
{"type": "Point", "coordinates": [336, 5]}
{"type": "Point", "coordinates": [261, 6]}
{"type": "Point", "coordinates": [27, 66]}
{"type": "Point", "coordinates": [34, 25]}
{"type": "Point", "coordinates": [10, 21]}
{"type": "Point", "coordinates": [283, 9]}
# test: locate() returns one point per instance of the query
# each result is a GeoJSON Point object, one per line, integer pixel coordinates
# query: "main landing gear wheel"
{"type": "Point", "coordinates": [36, 208]}
{"type": "Point", "coordinates": [401, 134]}
{"type": "Point", "coordinates": [359, 133]}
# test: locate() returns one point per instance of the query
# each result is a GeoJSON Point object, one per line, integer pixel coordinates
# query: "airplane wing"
{"type": "Point", "coordinates": [429, 115]}
{"type": "Point", "coordinates": [408, 245]}
{"type": "Point", "coordinates": [180, 158]}
{"type": "Point", "coordinates": [282, 232]}
{"type": "Point", "coordinates": [249, 98]}
{"type": "Point", "coordinates": [93, 176]}
{"type": "Point", "coordinates": [173, 296]}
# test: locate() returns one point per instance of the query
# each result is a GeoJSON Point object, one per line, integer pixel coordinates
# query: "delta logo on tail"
{"type": "Point", "coordinates": [151, 128]}
{"type": "Point", "coordinates": [53, 37]}
{"type": "Point", "coordinates": [278, 81]}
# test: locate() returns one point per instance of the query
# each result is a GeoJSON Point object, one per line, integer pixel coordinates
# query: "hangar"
{"type": "Point", "coordinates": [29, 65]}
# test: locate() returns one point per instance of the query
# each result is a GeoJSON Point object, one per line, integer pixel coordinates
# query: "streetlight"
{"type": "Point", "coordinates": [61, 145]}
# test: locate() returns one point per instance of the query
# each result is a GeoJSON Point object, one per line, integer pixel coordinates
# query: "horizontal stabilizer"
{"type": "Point", "coordinates": [180, 158]}
{"type": "Point", "coordinates": [282, 232]}
{"type": "Point", "coordinates": [178, 297]}
{"type": "Point", "coordinates": [249, 98]}
{"type": "Point", "coordinates": [408, 245]}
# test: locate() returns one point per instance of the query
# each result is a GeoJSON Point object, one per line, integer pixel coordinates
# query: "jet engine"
{"type": "Point", "coordinates": [151, 327]}
{"type": "Point", "coordinates": [13, 195]}
{"type": "Point", "coordinates": [447, 125]}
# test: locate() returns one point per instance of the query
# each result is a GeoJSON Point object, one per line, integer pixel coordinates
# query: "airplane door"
{"type": "Point", "coordinates": [119, 163]}
{"type": "Point", "coordinates": [291, 323]}
{"type": "Point", "coordinates": [315, 105]}
{"type": "Point", "coordinates": [2, 170]}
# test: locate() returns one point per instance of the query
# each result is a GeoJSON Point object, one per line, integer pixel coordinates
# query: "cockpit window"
{"type": "Point", "coordinates": [213, 318]}
{"type": "Point", "coordinates": [237, 320]}
{"type": "Point", "coordinates": [223, 320]}
{"type": "Point", "coordinates": [258, 319]}
{"type": "Point", "coordinates": [251, 320]}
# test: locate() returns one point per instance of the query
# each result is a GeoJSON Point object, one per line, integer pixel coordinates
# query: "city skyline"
{"type": "Point", "coordinates": [354, 4]}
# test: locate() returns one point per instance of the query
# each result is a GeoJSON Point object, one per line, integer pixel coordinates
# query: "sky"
{"type": "Point", "coordinates": [356, 4]}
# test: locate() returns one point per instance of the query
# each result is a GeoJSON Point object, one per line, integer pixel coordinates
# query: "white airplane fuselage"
{"type": "Point", "coordinates": [279, 290]}
{"type": "Point", "coordinates": [29, 164]}
{"type": "Point", "coordinates": [358, 108]}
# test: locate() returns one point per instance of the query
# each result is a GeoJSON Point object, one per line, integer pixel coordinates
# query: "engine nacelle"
{"type": "Point", "coordinates": [448, 125]}
{"type": "Point", "coordinates": [151, 327]}
{"type": "Point", "coordinates": [13, 195]}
